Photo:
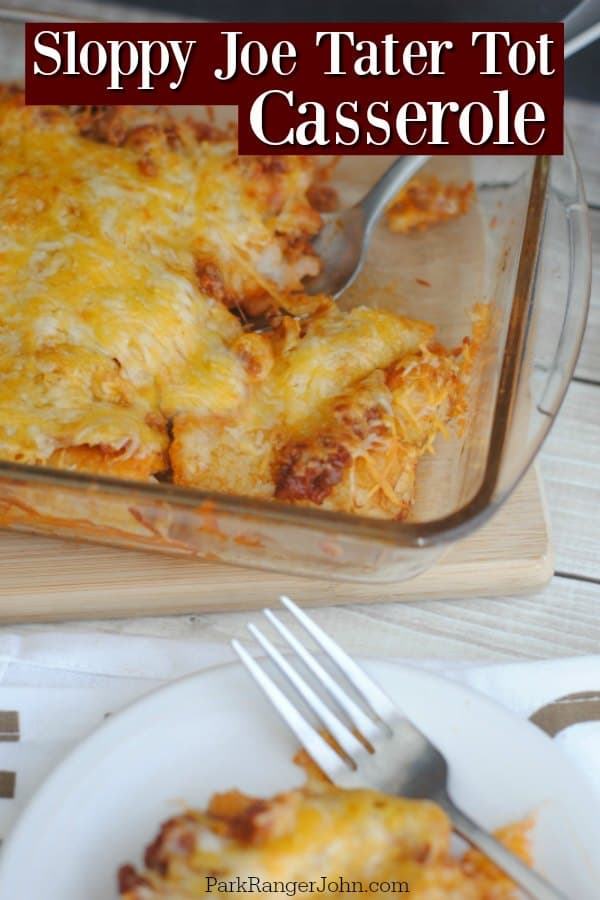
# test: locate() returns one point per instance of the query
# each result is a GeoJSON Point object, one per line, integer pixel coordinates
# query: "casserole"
{"type": "Point", "coordinates": [135, 249]}
{"type": "Point", "coordinates": [329, 840]}
{"type": "Point", "coordinates": [524, 250]}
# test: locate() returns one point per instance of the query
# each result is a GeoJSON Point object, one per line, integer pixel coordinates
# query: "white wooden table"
{"type": "Point", "coordinates": [561, 620]}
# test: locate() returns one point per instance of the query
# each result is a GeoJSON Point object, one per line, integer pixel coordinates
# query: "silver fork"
{"type": "Point", "coordinates": [402, 761]}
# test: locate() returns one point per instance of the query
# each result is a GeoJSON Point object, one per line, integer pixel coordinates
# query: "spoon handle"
{"type": "Point", "coordinates": [582, 26]}
{"type": "Point", "coordinates": [384, 190]}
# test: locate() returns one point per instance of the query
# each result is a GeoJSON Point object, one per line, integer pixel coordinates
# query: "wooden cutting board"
{"type": "Point", "coordinates": [45, 578]}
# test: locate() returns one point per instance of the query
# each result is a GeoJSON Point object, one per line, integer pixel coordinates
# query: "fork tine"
{"type": "Point", "coordinates": [330, 762]}
{"type": "Point", "coordinates": [361, 721]}
{"type": "Point", "coordinates": [379, 701]}
{"type": "Point", "coordinates": [344, 737]}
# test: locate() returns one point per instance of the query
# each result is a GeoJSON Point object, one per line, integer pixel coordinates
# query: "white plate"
{"type": "Point", "coordinates": [214, 731]}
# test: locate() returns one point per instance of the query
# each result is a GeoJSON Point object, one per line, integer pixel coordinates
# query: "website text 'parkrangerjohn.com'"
{"type": "Point", "coordinates": [253, 884]}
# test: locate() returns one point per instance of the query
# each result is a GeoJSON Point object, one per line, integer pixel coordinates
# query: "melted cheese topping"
{"type": "Point", "coordinates": [126, 239]}
{"type": "Point", "coordinates": [101, 320]}
{"type": "Point", "coordinates": [316, 836]}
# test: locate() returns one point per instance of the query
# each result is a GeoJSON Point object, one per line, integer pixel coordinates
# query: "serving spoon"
{"type": "Point", "coordinates": [343, 240]}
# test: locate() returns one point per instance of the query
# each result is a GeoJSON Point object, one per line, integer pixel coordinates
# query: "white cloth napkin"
{"type": "Point", "coordinates": [63, 684]}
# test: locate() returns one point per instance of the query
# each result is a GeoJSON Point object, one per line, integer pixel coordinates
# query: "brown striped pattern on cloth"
{"type": "Point", "coordinates": [9, 731]}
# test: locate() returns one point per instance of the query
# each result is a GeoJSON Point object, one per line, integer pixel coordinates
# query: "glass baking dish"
{"type": "Point", "coordinates": [524, 248]}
